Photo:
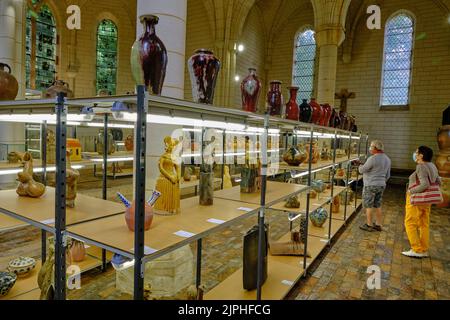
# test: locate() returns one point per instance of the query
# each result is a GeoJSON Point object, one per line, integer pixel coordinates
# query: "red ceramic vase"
{"type": "Point", "coordinates": [317, 112]}
{"type": "Point", "coordinates": [130, 214]}
{"type": "Point", "coordinates": [275, 98]}
{"type": "Point", "coordinates": [327, 114]}
{"type": "Point", "coordinates": [250, 90]}
{"type": "Point", "coordinates": [204, 70]}
{"type": "Point", "coordinates": [292, 109]}
{"type": "Point", "coordinates": [335, 120]}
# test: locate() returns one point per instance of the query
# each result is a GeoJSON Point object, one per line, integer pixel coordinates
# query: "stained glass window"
{"type": "Point", "coordinates": [40, 48]}
{"type": "Point", "coordinates": [107, 56]}
{"type": "Point", "coordinates": [398, 50]}
{"type": "Point", "coordinates": [304, 64]}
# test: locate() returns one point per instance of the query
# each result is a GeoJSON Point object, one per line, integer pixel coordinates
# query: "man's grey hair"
{"type": "Point", "coordinates": [378, 145]}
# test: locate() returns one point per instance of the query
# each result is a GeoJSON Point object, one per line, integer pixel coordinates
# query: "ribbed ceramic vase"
{"type": "Point", "coordinates": [250, 91]}
{"type": "Point", "coordinates": [149, 57]}
{"type": "Point", "coordinates": [204, 70]}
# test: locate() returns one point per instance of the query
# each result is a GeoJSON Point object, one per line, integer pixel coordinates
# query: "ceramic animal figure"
{"type": "Point", "coordinates": [15, 157]}
{"type": "Point", "coordinates": [168, 182]}
{"type": "Point", "coordinates": [28, 187]}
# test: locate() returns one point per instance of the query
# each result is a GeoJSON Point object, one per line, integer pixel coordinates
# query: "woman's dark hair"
{"type": "Point", "coordinates": [426, 152]}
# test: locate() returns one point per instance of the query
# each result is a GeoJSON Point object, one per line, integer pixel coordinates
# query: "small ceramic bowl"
{"type": "Point", "coordinates": [22, 266]}
{"type": "Point", "coordinates": [7, 281]}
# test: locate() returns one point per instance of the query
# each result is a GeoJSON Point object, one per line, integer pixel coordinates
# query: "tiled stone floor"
{"type": "Point", "coordinates": [342, 273]}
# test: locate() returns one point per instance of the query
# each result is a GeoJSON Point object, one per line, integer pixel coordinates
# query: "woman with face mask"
{"type": "Point", "coordinates": [417, 218]}
{"type": "Point", "coordinates": [376, 172]}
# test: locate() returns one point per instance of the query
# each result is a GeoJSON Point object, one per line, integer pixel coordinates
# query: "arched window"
{"type": "Point", "coordinates": [107, 56]}
{"type": "Point", "coordinates": [304, 62]}
{"type": "Point", "coordinates": [41, 42]}
{"type": "Point", "coordinates": [397, 63]}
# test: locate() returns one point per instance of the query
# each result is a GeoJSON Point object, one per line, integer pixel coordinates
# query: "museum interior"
{"type": "Point", "coordinates": [224, 149]}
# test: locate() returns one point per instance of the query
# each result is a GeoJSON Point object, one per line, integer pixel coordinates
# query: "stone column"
{"type": "Point", "coordinates": [328, 39]}
{"type": "Point", "coordinates": [171, 29]}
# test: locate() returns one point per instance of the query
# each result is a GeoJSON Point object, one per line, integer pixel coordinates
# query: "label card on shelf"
{"type": "Point", "coordinates": [147, 250]}
{"type": "Point", "coordinates": [324, 240]}
{"type": "Point", "coordinates": [216, 221]}
{"type": "Point", "coordinates": [245, 209]}
{"type": "Point", "coordinates": [48, 221]}
{"type": "Point", "coordinates": [184, 234]}
{"type": "Point", "coordinates": [288, 283]}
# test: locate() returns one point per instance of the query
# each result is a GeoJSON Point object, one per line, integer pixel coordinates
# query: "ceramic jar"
{"type": "Point", "coordinates": [294, 157]}
{"type": "Point", "coordinates": [9, 87]}
{"type": "Point", "coordinates": [292, 109]}
{"type": "Point", "coordinates": [130, 216]}
{"type": "Point", "coordinates": [204, 70]}
{"type": "Point", "coordinates": [318, 217]}
{"type": "Point", "coordinates": [149, 57]}
{"type": "Point", "coordinates": [7, 281]}
{"type": "Point", "coordinates": [275, 99]}
{"type": "Point", "coordinates": [317, 112]}
{"type": "Point", "coordinates": [305, 112]}
{"type": "Point", "coordinates": [21, 266]}
{"type": "Point", "coordinates": [77, 251]}
{"type": "Point", "coordinates": [250, 90]}
{"type": "Point", "coordinates": [327, 110]}
{"type": "Point", "coordinates": [58, 86]}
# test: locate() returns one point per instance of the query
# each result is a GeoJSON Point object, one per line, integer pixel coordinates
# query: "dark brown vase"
{"type": "Point", "coordinates": [275, 99]}
{"type": "Point", "coordinates": [250, 90]}
{"type": "Point", "coordinates": [149, 57]}
{"type": "Point", "coordinates": [58, 86]}
{"type": "Point", "coordinates": [9, 87]}
{"type": "Point", "coordinates": [317, 112]}
{"type": "Point", "coordinates": [305, 112]}
{"type": "Point", "coordinates": [292, 110]}
{"type": "Point", "coordinates": [333, 118]}
{"type": "Point", "coordinates": [344, 120]}
{"type": "Point", "coordinates": [326, 114]}
{"type": "Point", "coordinates": [204, 70]}
{"type": "Point", "coordinates": [352, 120]}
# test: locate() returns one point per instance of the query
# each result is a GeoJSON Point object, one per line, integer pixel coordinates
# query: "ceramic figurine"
{"type": "Point", "coordinates": [15, 157]}
{"type": "Point", "coordinates": [250, 180]}
{"type": "Point", "coordinates": [111, 145]}
{"type": "Point", "coordinates": [131, 207]}
{"type": "Point", "coordinates": [315, 153]}
{"type": "Point", "coordinates": [7, 281]}
{"type": "Point", "coordinates": [292, 203]}
{"type": "Point", "coordinates": [318, 186]}
{"type": "Point", "coordinates": [72, 178]}
{"type": "Point", "coordinates": [28, 187]}
{"type": "Point", "coordinates": [51, 147]}
{"type": "Point", "coordinates": [149, 57]}
{"type": "Point", "coordinates": [9, 87]}
{"type": "Point", "coordinates": [227, 178]}
{"type": "Point", "coordinates": [294, 156]}
{"type": "Point", "coordinates": [187, 176]}
{"type": "Point", "coordinates": [168, 182]}
{"type": "Point", "coordinates": [206, 185]}
{"type": "Point", "coordinates": [22, 266]}
{"type": "Point", "coordinates": [204, 70]}
{"type": "Point", "coordinates": [318, 217]}
{"type": "Point", "coordinates": [58, 86]}
{"type": "Point", "coordinates": [336, 205]}
{"type": "Point", "coordinates": [129, 143]}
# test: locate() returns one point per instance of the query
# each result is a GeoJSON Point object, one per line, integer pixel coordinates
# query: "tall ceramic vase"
{"type": "Point", "coordinates": [292, 109]}
{"type": "Point", "coordinates": [250, 90]}
{"type": "Point", "coordinates": [317, 112]}
{"type": "Point", "coordinates": [9, 86]}
{"type": "Point", "coordinates": [275, 99]}
{"type": "Point", "coordinates": [204, 69]}
{"type": "Point", "coordinates": [305, 112]}
{"type": "Point", "coordinates": [443, 158]}
{"type": "Point", "coordinates": [149, 57]}
{"type": "Point", "coordinates": [327, 114]}
{"type": "Point", "coordinates": [206, 185]}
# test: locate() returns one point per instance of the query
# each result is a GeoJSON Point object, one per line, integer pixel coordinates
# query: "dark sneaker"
{"type": "Point", "coordinates": [366, 227]}
{"type": "Point", "coordinates": [377, 228]}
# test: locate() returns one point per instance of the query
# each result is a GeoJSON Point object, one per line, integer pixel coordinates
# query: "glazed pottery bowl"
{"type": "Point", "coordinates": [7, 281]}
{"type": "Point", "coordinates": [22, 266]}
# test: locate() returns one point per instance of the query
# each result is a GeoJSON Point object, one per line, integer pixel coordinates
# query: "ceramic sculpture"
{"type": "Point", "coordinates": [77, 250]}
{"type": "Point", "coordinates": [318, 217]}
{"type": "Point", "coordinates": [292, 202]}
{"type": "Point", "coordinates": [72, 178]}
{"type": "Point", "coordinates": [187, 176]}
{"type": "Point", "coordinates": [22, 266]}
{"type": "Point", "coordinates": [293, 156]}
{"type": "Point", "coordinates": [227, 184]}
{"type": "Point", "coordinates": [130, 211]}
{"type": "Point", "coordinates": [7, 281]}
{"type": "Point", "coordinates": [28, 187]}
{"type": "Point", "coordinates": [111, 145]}
{"type": "Point", "coordinates": [15, 157]}
{"type": "Point", "coordinates": [206, 185]}
{"type": "Point", "coordinates": [58, 86]}
{"type": "Point", "coordinates": [51, 147]}
{"type": "Point", "coordinates": [129, 143]}
{"type": "Point", "coordinates": [318, 186]}
{"type": "Point", "coordinates": [336, 204]}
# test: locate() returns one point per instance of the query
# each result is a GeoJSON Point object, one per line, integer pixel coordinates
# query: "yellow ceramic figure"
{"type": "Point", "coordinates": [227, 178]}
{"type": "Point", "coordinates": [168, 182]}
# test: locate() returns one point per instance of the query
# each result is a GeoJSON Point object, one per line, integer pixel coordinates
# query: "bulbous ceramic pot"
{"type": "Point", "coordinates": [250, 90]}
{"type": "Point", "coordinates": [9, 87]}
{"type": "Point", "coordinates": [294, 157]}
{"type": "Point", "coordinates": [318, 217]}
{"type": "Point", "coordinates": [130, 216]}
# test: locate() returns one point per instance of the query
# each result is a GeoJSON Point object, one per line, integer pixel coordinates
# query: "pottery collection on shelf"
{"type": "Point", "coordinates": [9, 87]}
{"type": "Point", "coordinates": [204, 70]}
{"type": "Point", "coordinates": [149, 57]}
{"type": "Point", "coordinates": [250, 91]}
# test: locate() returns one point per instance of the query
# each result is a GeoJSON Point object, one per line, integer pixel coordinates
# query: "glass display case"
{"type": "Point", "coordinates": [268, 196]}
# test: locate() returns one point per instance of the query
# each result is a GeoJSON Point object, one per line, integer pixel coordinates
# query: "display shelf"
{"type": "Point", "coordinates": [122, 155]}
{"type": "Point", "coordinates": [25, 284]}
{"type": "Point", "coordinates": [195, 184]}
{"type": "Point", "coordinates": [112, 232]}
{"type": "Point", "coordinates": [283, 273]}
{"type": "Point", "coordinates": [276, 191]}
{"type": "Point", "coordinates": [42, 210]}
{"type": "Point", "coordinates": [322, 232]}
{"type": "Point", "coordinates": [8, 223]}
{"type": "Point", "coordinates": [31, 295]}
{"type": "Point", "coordinates": [321, 164]}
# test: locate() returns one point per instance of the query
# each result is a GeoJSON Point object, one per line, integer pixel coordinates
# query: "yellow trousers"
{"type": "Point", "coordinates": [417, 225]}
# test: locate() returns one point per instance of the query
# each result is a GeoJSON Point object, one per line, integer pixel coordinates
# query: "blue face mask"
{"type": "Point", "coordinates": [415, 157]}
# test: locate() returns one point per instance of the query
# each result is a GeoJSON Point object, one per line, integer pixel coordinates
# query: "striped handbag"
{"type": "Point", "coordinates": [432, 195]}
